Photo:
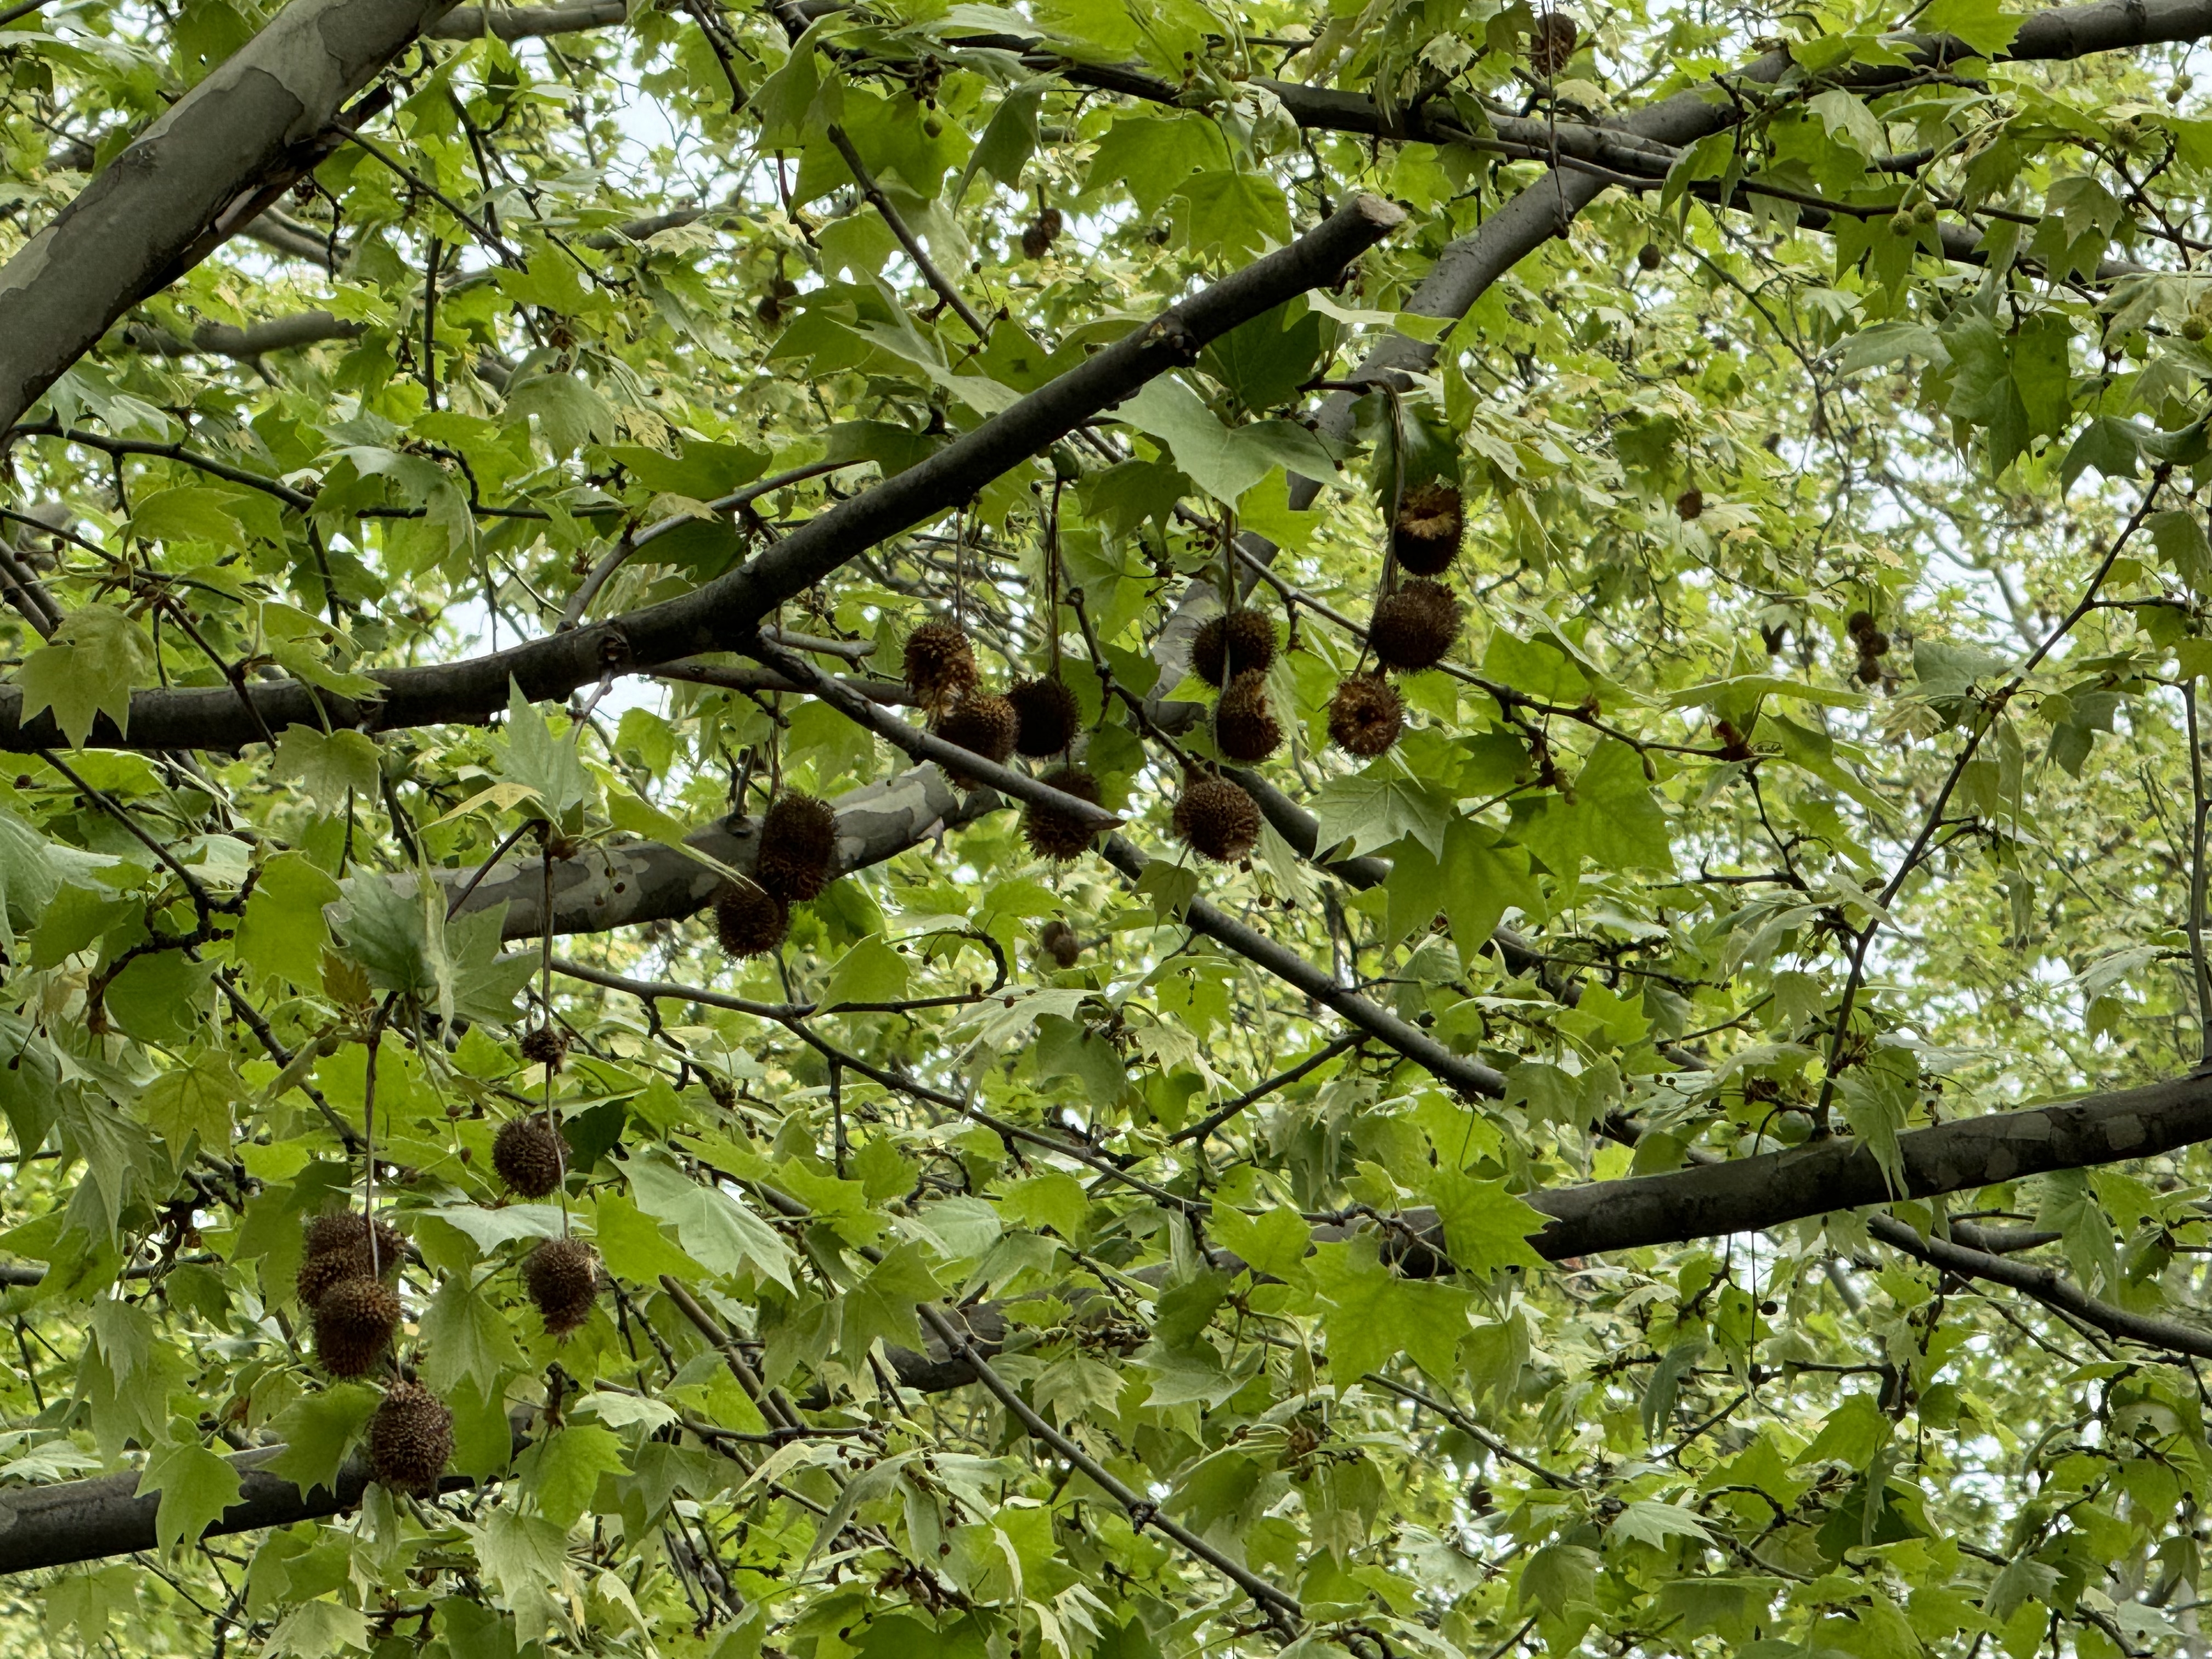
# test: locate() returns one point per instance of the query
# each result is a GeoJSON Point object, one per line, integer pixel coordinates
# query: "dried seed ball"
{"type": "Point", "coordinates": [1045, 714]}
{"type": "Point", "coordinates": [562, 1277]}
{"type": "Point", "coordinates": [1431, 520]}
{"type": "Point", "coordinates": [545, 1046]}
{"type": "Point", "coordinates": [1053, 835]}
{"type": "Point", "coordinates": [1415, 626]}
{"type": "Point", "coordinates": [1689, 504]}
{"type": "Point", "coordinates": [1217, 819]}
{"type": "Point", "coordinates": [940, 663]}
{"type": "Point", "coordinates": [1365, 716]}
{"type": "Point", "coordinates": [410, 1439]}
{"type": "Point", "coordinates": [798, 848]}
{"type": "Point", "coordinates": [1873, 643]}
{"type": "Point", "coordinates": [354, 1323]}
{"type": "Point", "coordinates": [749, 919]}
{"type": "Point", "coordinates": [1859, 622]}
{"type": "Point", "coordinates": [530, 1158]}
{"type": "Point", "coordinates": [347, 1229]}
{"type": "Point", "coordinates": [1244, 725]}
{"type": "Point", "coordinates": [1058, 940]}
{"type": "Point", "coordinates": [1232, 643]}
{"type": "Point", "coordinates": [1039, 235]}
{"type": "Point", "coordinates": [983, 725]}
{"type": "Point", "coordinates": [1649, 256]}
{"type": "Point", "coordinates": [1552, 43]}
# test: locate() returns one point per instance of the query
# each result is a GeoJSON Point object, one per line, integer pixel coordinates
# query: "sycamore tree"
{"type": "Point", "coordinates": [1136, 830]}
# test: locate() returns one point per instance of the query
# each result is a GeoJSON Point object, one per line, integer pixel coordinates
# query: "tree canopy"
{"type": "Point", "coordinates": [1104, 830]}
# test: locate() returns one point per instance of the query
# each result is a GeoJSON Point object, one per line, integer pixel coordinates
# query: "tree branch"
{"type": "Point", "coordinates": [728, 609]}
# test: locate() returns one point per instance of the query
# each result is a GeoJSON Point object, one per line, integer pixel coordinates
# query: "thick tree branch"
{"type": "Point", "coordinates": [151, 212]}
{"type": "Point", "coordinates": [728, 609]}
{"type": "Point", "coordinates": [527, 22]}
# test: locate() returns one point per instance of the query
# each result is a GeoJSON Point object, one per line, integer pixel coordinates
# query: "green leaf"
{"type": "Point", "coordinates": [318, 1431]}
{"type": "Point", "coordinates": [1485, 1227]}
{"type": "Point", "coordinates": [195, 1484]}
{"type": "Point", "coordinates": [1366, 812]}
{"type": "Point", "coordinates": [465, 1339]}
{"type": "Point", "coordinates": [1649, 1522]}
{"type": "Point", "coordinates": [533, 759]}
{"type": "Point", "coordinates": [1980, 23]}
{"type": "Point", "coordinates": [871, 972]}
{"type": "Point", "coordinates": [332, 765]}
{"type": "Point", "coordinates": [191, 1101]}
{"type": "Point", "coordinates": [721, 1233]}
{"type": "Point", "coordinates": [283, 932]}
{"type": "Point", "coordinates": [562, 1471]}
{"type": "Point", "coordinates": [880, 1308]}
{"type": "Point", "coordinates": [87, 668]}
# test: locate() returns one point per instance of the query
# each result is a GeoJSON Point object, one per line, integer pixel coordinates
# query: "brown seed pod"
{"type": "Point", "coordinates": [347, 1229]}
{"type": "Point", "coordinates": [1041, 233]}
{"type": "Point", "coordinates": [1551, 43]}
{"type": "Point", "coordinates": [562, 1277]}
{"type": "Point", "coordinates": [530, 1158]}
{"type": "Point", "coordinates": [1053, 835]}
{"type": "Point", "coordinates": [1058, 940]}
{"type": "Point", "coordinates": [1232, 643]}
{"type": "Point", "coordinates": [940, 664]}
{"type": "Point", "coordinates": [1365, 716]}
{"type": "Point", "coordinates": [544, 1046]}
{"type": "Point", "coordinates": [354, 1323]}
{"type": "Point", "coordinates": [749, 919]}
{"type": "Point", "coordinates": [1244, 724]}
{"type": "Point", "coordinates": [1859, 622]}
{"type": "Point", "coordinates": [1045, 714]}
{"type": "Point", "coordinates": [1216, 819]}
{"type": "Point", "coordinates": [983, 725]}
{"type": "Point", "coordinates": [1414, 627]}
{"type": "Point", "coordinates": [798, 848]}
{"type": "Point", "coordinates": [1873, 643]}
{"type": "Point", "coordinates": [1431, 520]}
{"type": "Point", "coordinates": [1649, 256]}
{"type": "Point", "coordinates": [1689, 504]}
{"type": "Point", "coordinates": [410, 1439]}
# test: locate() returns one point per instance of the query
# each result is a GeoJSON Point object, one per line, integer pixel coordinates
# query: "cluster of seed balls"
{"type": "Point", "coordinates": [1872, 644]}
{"type": "Point", "coordinates": [796, 860]}
{"type": "Point", "coordinates": [1413, 627]}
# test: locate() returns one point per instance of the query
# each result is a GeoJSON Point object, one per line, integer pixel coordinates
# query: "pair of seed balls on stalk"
{"type": "Point", "coordinates": [562, 1275]}
{"type": "Point", "coordinates": [797, 859]}
{"type": "Point", "coordinates": [346, 1284]}
{"type": "Point", "coordinates": [1414, 625]}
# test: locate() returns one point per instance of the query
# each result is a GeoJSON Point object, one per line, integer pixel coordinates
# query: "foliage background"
{"type": "Point", "coordinates": [1695, 439]}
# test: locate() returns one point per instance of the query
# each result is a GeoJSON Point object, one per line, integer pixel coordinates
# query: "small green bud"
{"type": "Point", "coordinates": [2193, 326]}
{"type": "Point", "coordinates": [1900, 223]}
{"type": "Point", "coordinates": [1923, 213]}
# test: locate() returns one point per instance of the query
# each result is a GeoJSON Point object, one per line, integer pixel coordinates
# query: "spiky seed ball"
{"type": "Point", "coordinates": [1231, 643]}
{"type": "Point", "coordinates": [1689, 504]}
{"type": "Point", "coordinates": [1431, 520]}
{"type": "Point", "coordinates": [410, 1439]}
{"type": "Point", "coordinates": [354, 1323]}
{"type": "Point", "coordinates": [1552, 43]}
{"type": "Point", "coordinates": [1649, 256]}
{"type": "Point", "coordinates": [982, 725]}
{"type": "Point", "coordinates": [940, 664]}
{"type": "Point", "coordinates": [1216, 819]}
{"type": "Point", "coordinates": [1244, 725]}
{"type": "Point", "coordinates": [798, 848]}
{"type": "Point", "coordinates": [1045, 714]}
{"type": "Point", "coordinates": [1039, 235]}
{"type": "Point", "coordinates": [530, 1158]}
{"type": "Point", "coordinates": [1053, 835]}
{"type": "Point", "coordinates": [749, 919]}
{"type": "Point", "coordinates": [349, 1229]}
{"type": "Point", "coordinates": [1414, 627]}
{"type": "Point", "coordinates": [1859, 623]}
{"type": "Point", "coordinates": [545, 1046]}
{"type": "Point", "coordinates": [1059, 941]}
{"type": "Point", "coordinates": [562, 1277]}
{"type": "Point", "coordinates": [1365, 716]}
{"type": "Point", "coordinates": [1873, 643]}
